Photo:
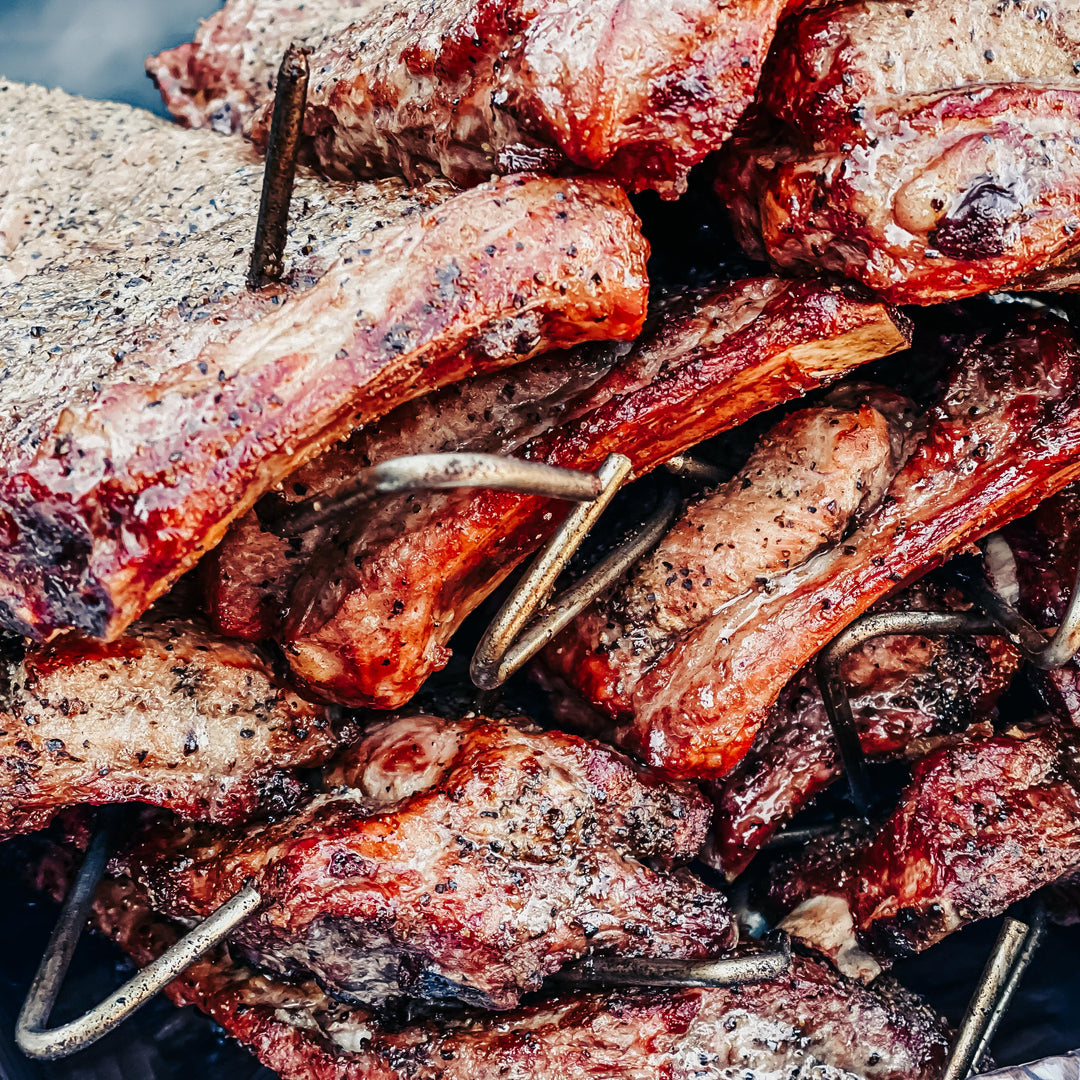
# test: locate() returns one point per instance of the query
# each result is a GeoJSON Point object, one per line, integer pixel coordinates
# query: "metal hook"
{"type": "Point", "coordinates": [490, 667]}
{"type": "Point", "coordinates": [834, 690]}
{"type": "Point", "coordinates": [1028, 638]}
{"type": "Point", "coordinates": [428, 472]}
{"type": "Point", "coordinates": [1013, 951]}
{"type": "Point", "coordinates": [42, 1043]}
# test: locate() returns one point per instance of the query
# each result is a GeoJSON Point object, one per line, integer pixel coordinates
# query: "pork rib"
{"type": "Point", "coordinates": [925, 148]}
{"type": "Point", "coordinates": [167, 714]}
{"type": "Point", "coordinates": [805, 486]}
{"type": "Point", "coordinates": [150, 398]}
{"type": "Point", "coordinates": [1004, 435]}
{"type": "Point", "coordinates": [810, 1023]}
{"type": "Point", "coordinates": [908, 694]}
{"type": "Point", "coordinates": [981, 826]}
{"type": "Point", "coordinates": [471, 88]}
{"type": "Point", "coordinates": [374, 622]}
{"type": "Point", "coordinates": [456, 861]}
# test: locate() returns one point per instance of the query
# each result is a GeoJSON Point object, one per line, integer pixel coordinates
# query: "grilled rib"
{"type": "Point", "coordinates": [908, 694]}
{"type": "Point", "coordinates": [1004, 435]}
{"type": "Point", "coordinates": [810, 1023]}
{"type": "Point", "coordinates": [925, 149]}
{"type": "Point", "coordinates": [374, 622]}
{"type": "Point", "coordinates": [806, 485]}
{"type": "Point", "coordinates": [466, 89]}
{"type": "Point", "coordinates": [460, 861]}
{"type": "Point", "coordinates": [150, 398]}
{"type": "Point", "coordinates": [981, 825]}
{"type": "Point", "coordinates": [167, 714]}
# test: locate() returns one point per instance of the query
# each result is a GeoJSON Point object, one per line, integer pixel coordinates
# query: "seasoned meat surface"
{"type": "Point", "coordinates": [252, 576]}
{"type": "Point", "coordinates": [167, 714]}
{"type": "Point", "coordinates": [908, 694]}
{"type": "Point", "coordinates": [151, 398]}
{"type": "Point", "coordinates": [813, 1023]}
{"type": "Point", "coordinates": [924, 148]}
{"type": "Point", "coordinates": [1004, 434]}
{"type": "Point", "coordinates": [804, 486]}
{"type": "Point", "coordinates": [369, 626]}
{"type": "Point", "coordinates": [981, 826]}
{"type": "Point", "coordinates": [459, 860]}
{"type": "Point", "coordinates": [641, 91]}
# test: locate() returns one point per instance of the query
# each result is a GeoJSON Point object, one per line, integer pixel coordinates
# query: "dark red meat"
{"type": "Point", "coordinates": [456, 860]}
{"type": "Point", "coordinates": [924, 148]}
{"type": "Point", "coordinates": [908, 694]}
{"type": "Point", "coordinates": [812, 1022]}
{"type": "Point", "coordinates": [150, 398]}
{"type": "Point", "coordinates": [981, 826]}
{"type": "Point", "coordinates": [1004, 435]}
{"type": "Point", "coordinates": [470, 88]}
{"type": "Point", "coordinates": [369, 626]}
{"type": "Point", "coordinates": [166, 714]}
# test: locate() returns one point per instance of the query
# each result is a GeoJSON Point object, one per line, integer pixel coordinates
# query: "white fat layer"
{"type": "Point", "coordinates": [826, 924]}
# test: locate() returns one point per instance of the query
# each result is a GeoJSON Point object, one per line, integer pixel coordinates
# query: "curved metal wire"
{"type": "Point", "coordinates": [428, 472]}
{"type": "Point", "coordinates": [32, 1034]}
{"type": "Point", "coordinates": [834, 690]}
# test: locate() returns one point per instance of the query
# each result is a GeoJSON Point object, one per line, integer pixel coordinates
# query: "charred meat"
{"type": "Point", "coordinates": [150, 398]}
{"type": "Point", "coordinates": [908, 694]}
{"type": "Point", "coordinates": [368, 626]}
{"type": "Point", "coordinates": [811, 1023]}
{"type": "Point", "coordinates": [925, 149]}
{"type": "Point", "coordinates": [638, 91]}
{"type": "Point", "coordinates": [981, 825]}
{"type": "Point", "coordinates": [1004, 434]}
{"type": "Point", "coordinates": [167, 714]}
{"type": "Point", "coordinates": [461, 861]}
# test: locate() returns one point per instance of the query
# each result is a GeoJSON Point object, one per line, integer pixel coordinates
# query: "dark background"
{"type": "Point", "coordinates": [94, 47]}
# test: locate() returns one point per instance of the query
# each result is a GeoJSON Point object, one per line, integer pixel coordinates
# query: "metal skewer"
{"type": "Point", "coordinates": [605, 971]}
{"type": "Point", "coordinates": [1015, 946]}
{"type": "Point", "coordinates": [282, 151]}
{"type": "Point", "coordinates": [487, 668]}
{"type": "Point", "coordinates": [428, 472]}
{"type": "Point", "coordinates": [38, 1041]}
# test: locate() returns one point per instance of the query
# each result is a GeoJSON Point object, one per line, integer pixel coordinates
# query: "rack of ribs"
{"type": "Point", "coordinates": [471, 88]}
{"type": "Point", "coordinates": [149, 398]}
{"type": "Point", "coordinates": [455, 861]}
{"type": "Point", "coordinates": [168, 714]}
{"type": "Point", "coordinates": [924, 148]}
{"type": "Point", "coordinates": [980, 826]}
{"type": "Point", "coordinates": [811, 1022]}
{"type": "Point", "coordinates": [909, 694]}
{"type": "Point", "coordinates": [1003, 435]}
{"type": "Point", "coordinates": [367, 623]}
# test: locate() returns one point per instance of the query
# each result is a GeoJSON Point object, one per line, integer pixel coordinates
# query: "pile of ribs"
{"type": "Point", "coordinates": [468, 269]}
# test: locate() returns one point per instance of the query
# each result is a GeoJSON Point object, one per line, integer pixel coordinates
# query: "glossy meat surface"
{"type": "Point", "coordinates": [459, 860]}
{"type": "Point", "coordinates": [806, 484]}
{"type": "Point", "coordinates": [907, 693]}
{"type": "Point", "coordinates": [151, 398]}
{"type": "Point", "coordinates": [167, 714]}
{"type": "Point", "coordinates": [981, 826]}
{"type": "Point", "coordinates": [812, 1023]}
{"type": "Point", "coordinates": [923, 148]}
{"type": "Point", "coordinates": [383, 612]}
{"type": "Point", "coordinates": [253, 578]}
{"type": "Point", "coordinates": [641, 91]}
{"type": "Point", "coordinates": [1004, 435]}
